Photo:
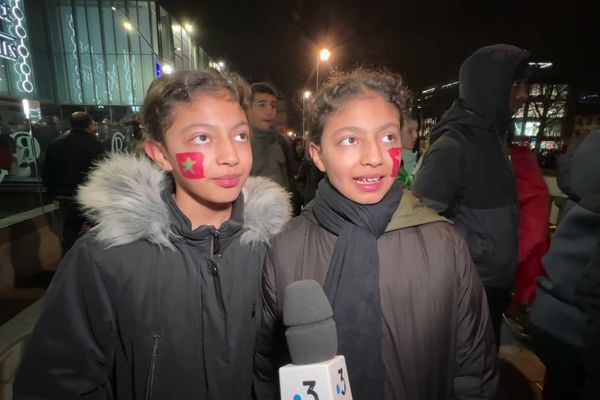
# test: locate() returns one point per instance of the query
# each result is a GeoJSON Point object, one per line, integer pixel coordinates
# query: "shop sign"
{"type": "Point", "coordinates": [8, 48]}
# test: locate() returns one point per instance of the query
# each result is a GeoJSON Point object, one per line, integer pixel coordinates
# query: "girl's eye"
{"type": "Point", "coordinates": [201, 139]}
{"type": "Point", "coordinates": [348, 141]}
{"type": "Point", "coordinates": [241, 137]}
{"type": "Point", "coordinates": [390, 138]}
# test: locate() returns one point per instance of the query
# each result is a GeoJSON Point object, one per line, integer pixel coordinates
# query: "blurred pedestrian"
{"type": "Point", "coordinates": [68, 161]}
{"type": "Point", "coordinates": [533, 233]}
{"type": "Point", "coordinates": [557, 321]}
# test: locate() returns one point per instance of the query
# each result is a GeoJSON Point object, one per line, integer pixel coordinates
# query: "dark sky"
{"type": "Point", "coordinates": [424, 40]}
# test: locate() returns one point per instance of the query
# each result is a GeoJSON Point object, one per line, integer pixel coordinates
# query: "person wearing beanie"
{"type": "Point", "coordinates": [467, 173]}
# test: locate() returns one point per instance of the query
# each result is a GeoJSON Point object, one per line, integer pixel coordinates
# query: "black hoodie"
{"type": "Point", "coordinates": [467, 171]}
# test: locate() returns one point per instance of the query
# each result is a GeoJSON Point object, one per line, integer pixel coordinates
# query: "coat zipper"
{"type": "Point", "coordinates": [156, 336]}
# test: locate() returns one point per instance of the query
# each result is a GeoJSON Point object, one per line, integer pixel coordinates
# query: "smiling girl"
{"type": "Point", "coordinates": [411, 315]}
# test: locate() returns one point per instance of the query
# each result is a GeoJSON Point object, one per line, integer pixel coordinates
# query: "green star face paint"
{"type": "Point", "coordinates": [190, 165]}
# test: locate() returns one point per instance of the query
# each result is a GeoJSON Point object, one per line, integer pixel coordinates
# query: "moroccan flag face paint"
{"type": "Point", "coordinates": [395, 153]}
{"type": "Point", "coordinates": [190, 165]}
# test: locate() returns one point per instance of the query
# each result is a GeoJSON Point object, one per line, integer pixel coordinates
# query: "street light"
{"type": "Point", "coordinates": [305, 96]}
{"type": "Point", "coordinates": [189, 28]}
{"type": "Point", "coordinates": [324, 55]}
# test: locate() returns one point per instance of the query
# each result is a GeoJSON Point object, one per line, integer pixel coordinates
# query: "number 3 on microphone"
{"type": "Point", "coordinates": [311, 385]}
{"type": "Point", "coordinates": [342, 380]}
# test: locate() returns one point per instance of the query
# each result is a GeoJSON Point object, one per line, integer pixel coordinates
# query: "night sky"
{"type": "Point", "coordinates": [425, 41]}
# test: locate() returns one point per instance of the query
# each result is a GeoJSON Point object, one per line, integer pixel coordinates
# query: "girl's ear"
{"type": "Point", "coordinates": [158, 154]}
{"type": "Point", "coordinates": [315, 153]}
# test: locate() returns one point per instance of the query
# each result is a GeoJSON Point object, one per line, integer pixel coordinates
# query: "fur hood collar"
{"type": "Point", "coordinates": [122, 197]}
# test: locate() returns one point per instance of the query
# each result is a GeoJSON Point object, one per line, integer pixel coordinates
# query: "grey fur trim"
{"type": "Point", "coordinates": [123, 198]}
{"type": "Point", "coordinates": [266, 210]}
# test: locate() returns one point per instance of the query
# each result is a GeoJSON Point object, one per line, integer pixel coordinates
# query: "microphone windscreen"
{"type": "Point", "coordinates": [304, 302]}
{"type": "Point", "coordinates": [310, 344]}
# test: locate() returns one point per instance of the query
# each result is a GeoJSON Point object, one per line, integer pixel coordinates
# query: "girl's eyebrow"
{"type": "Point", "coordinates": [193, 126]}
{"type": "Point", "coordinates": [355, 129]}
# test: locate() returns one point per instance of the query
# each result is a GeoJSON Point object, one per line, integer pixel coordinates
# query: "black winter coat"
{"type": "Point", "coordinates": [68, 160]}
{"type": "Point", "coordinates": [145, 308]}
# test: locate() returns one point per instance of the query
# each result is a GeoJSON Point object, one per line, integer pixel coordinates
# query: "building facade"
{"type": "Point", "coordinates": [61, 56]}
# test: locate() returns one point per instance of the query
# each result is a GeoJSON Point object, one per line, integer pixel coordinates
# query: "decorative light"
{"type": "Point", "coordinates": [127, 25]}
{"type": "Point", "coordinates": [307, 94]}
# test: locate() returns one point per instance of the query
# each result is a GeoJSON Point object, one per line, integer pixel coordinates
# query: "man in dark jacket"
{"type": "Point", "coordinates": [68, 160]}
{"type": "Point", "coordinates": [467, 173]}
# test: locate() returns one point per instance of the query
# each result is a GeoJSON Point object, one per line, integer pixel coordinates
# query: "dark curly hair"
{"type": "Point", "coordinates": [345, 86]}
{"type": "Point", "coordinates": [166, 92]}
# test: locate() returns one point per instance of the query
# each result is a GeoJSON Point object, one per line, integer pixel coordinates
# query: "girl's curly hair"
{"type": "Point", "coordinates": [345, 86]}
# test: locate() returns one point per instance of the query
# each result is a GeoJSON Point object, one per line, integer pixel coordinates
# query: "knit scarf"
{"type": "Point", "coordinates": [352, 282]}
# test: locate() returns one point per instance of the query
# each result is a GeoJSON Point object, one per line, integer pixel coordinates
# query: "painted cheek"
{"type": "Point", "coordinates": [395, 153]}
{"type": "Point", "coordinates": [190, 164]}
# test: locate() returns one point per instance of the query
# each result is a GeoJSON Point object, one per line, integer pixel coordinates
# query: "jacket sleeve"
{"type": "Point", "coordinates": [440, 175]}
{"type": "Point", "coordinates": [268, 347]}
{"type": "Point", "coordinates": [70, 354]}
{"type": "Point", "coordinates": [475, 375]}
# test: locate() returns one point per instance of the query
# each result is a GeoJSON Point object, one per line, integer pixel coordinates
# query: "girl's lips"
{"type": "Point", "coordinates": [369, 183]}
{"type": "Point", "coordinates": [228, 181]}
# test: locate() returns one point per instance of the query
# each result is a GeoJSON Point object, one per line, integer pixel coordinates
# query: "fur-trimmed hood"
{"type": "Point", "coordinates": [123, 198]}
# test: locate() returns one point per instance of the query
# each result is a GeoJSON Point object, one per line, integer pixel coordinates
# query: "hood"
{"type": "Point", "coordinates": [123, 198]}
{"type": "Point", "coordinates": [584, 174]}
{"type": "Point", "coordinates": [486, 79]}
{"type": "Point", "coordinates": [411, 212]}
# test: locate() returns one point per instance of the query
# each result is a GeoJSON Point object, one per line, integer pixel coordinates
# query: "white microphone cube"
{"type": "Point", "coordinates": [327, 380]}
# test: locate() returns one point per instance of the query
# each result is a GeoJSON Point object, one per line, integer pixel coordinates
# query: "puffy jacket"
{"type": "Point", "coordinates": [574, 243]}
{"type": "Point", "coordinates": [467, 173]}
{"type": "Point", "coordinates": [144, 307]}
{"type": "Point", "coordinates": [437, 337]}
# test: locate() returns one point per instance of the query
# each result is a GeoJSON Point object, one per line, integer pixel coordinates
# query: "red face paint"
{"type": "Point", "coordinates": [190, 165]}
{"type": "Point", "coordinates": [395, 153]}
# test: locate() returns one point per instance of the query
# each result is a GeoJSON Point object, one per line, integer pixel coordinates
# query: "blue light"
{"type": "Point", "coordinates": [157, 70]}
{"type": "Point", "coordinates": [297, 397]}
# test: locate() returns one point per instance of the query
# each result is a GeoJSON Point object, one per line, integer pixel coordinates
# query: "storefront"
{"type": "Point", "coordinates": [61, 56]}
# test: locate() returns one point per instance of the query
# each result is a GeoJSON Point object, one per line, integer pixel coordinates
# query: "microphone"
{"type": "Point", "coordinates": [316, 372]}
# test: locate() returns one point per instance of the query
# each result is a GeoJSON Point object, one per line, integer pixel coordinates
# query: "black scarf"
{"type": "Point", "coordinates": [352, 282]}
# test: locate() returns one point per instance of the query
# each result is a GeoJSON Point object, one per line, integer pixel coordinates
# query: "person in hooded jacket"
{"type": "Point", "coordinates": [558, 322]}
{"type": "Point", "coordinates": [410, 311]}
{"type": "Point", "coordinates": [161, 299]}
{"type": "Point", "coordinates": [467, 174]}
{"type": "Point", "coordinates": [588, 297]}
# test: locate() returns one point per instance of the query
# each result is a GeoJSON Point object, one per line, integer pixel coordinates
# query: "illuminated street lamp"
{"type": "Point", "coordinates": [305, 96]}
{"type": "Point", "coordinates": [324, 55]}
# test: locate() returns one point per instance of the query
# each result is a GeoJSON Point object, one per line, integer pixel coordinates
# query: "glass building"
{"type": "Point", "coordinates": [60, 56]}
{"type": "Point", "coordinates": [57, 57]}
